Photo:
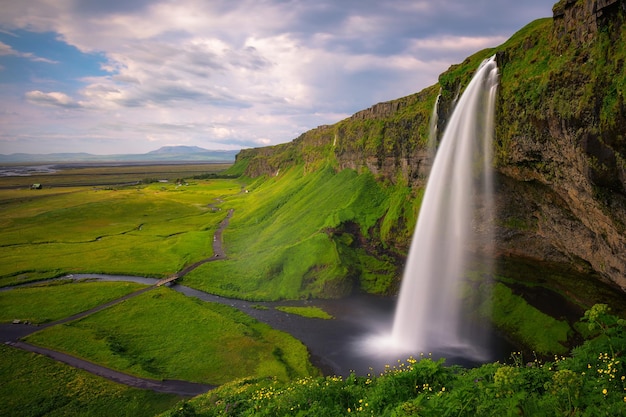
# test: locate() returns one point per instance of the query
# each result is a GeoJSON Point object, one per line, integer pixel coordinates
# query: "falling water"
{"type": "Point", "coordinates": [433, 129]}
{"type": "Point", "coordinates": [428, 313]}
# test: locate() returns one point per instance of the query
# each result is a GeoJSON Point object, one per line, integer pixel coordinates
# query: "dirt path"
{"type": "Point", "coordinates": [11, 334]}
{"type": "Point", "coordinates": [182, 388]}
{"type": "Point", "coordinates": [218, 252]}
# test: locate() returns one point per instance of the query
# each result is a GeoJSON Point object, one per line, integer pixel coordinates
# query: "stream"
{"type": "Point", "coordinates": [336, 345]}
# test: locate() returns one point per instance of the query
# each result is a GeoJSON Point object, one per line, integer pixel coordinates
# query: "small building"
{"type": "Point", "coordinates": [36, 187]}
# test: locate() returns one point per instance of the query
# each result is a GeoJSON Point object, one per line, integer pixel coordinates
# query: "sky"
{"type": "Point", "coordinates": [131, 76]}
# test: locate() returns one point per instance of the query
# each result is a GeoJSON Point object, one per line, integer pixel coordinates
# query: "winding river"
{"type": "Point", "coordinates": [335, 345]}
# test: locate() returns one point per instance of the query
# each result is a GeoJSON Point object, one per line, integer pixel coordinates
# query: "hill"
{"type": "Point", "coordinates": [163, 154]}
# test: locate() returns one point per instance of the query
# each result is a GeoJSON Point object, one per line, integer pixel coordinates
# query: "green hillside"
{"type": "Point", "coordinates": [299, 235]}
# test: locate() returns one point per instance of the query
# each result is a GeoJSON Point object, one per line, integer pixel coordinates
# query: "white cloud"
{"type": "Point", "coordinates": [55, 99]}
{"type": "Point", "coordinates": [243, 72]}
{"type": "Point", "coordinates": [449, 43]}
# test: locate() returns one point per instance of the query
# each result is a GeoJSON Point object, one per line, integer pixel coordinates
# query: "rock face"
{"type": "Point", "coordinates": [579, 21]}
{"type": "Point", "coordinates": [560, 139]}
{"type": "Point", "coordinates": [568, 162]}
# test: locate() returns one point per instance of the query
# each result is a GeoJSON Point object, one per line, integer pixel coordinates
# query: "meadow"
{"type": "Point", "coordinates": [163, 334]}
{"type": "Point", "coordinates": [150, 230]}
{"type": "Point", "coordinates": [85, 175]}
{"type": "Point", "coordinates": [55, 300]}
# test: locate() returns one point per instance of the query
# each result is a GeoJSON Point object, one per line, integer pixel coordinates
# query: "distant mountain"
{"type": "Point", "coordinates": [180, 149]}
{"type": "Point", "coordinates": [164, 154]}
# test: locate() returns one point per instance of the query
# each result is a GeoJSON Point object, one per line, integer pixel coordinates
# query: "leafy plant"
{"type": "Point", "coordinates": [568, 386]}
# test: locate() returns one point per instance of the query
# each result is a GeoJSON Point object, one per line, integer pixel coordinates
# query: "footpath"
{"type": "Point", "coordinates": [11, 334]}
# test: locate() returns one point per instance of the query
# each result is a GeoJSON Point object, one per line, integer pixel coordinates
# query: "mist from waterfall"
{"type": "Point", "coordinates": [429, 314]}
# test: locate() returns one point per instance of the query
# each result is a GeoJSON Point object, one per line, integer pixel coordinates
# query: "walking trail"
{"type": "Point", "coordinates": [11, 334]}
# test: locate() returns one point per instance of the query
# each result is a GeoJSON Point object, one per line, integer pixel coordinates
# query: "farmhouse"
{"type": "Point", "coordinates": [36, 187]}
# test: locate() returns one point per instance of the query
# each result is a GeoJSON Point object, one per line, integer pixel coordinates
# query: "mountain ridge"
{"type": "Point", "coordinates": [177, 153]}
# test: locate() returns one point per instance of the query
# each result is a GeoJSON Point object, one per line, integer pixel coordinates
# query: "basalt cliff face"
{"type": "Point", "coordinates": [560, 150]}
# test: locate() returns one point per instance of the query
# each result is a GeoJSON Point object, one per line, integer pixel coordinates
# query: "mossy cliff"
{"type": "Point", "coordinates": [560, 150]}
{"type": "Point", "coordinates": [561, 146]}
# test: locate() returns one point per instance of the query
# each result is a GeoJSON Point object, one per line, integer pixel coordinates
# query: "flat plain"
{"type": "Point", "coordinates": [149, 229]}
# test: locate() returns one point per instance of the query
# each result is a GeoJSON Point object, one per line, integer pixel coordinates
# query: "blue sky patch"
{"type": "Point", "coordinates": [41, 60]}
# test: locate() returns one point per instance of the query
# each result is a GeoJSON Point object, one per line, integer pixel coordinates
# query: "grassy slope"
{"type": "Point", "coordinates": [164, 334]}
{"type": "Point", "coordinates": [286, 238]}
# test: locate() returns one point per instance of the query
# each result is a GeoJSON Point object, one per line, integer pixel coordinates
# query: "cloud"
{"type": "Point", "coordinates": [8, 50]}
{"type": "Point", "coordinates": [245, 72]}
{"type": "Point", "coordinates": [55, 99]}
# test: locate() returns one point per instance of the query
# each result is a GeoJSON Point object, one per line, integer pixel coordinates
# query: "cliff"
{"type": "Point", "coordinates": [560, 150]}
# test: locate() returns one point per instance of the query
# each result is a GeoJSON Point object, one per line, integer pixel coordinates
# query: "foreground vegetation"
{"type": "Point", "coordinates": [34, 385]}
{"type": "Point", "coordinates": [590, 382]}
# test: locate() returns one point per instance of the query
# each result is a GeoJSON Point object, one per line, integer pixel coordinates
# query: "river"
{"type": "Point", "coordinates": [335, 345]}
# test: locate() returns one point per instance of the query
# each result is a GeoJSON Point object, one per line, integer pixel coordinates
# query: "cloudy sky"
{"type": "Point", "coordinates": [130, 76]}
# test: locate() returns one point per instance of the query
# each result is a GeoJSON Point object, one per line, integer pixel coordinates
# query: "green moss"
{"type": "Point", "coordinates": [534, 329]}
{"type": "Point", "coordinates": [310, 312]}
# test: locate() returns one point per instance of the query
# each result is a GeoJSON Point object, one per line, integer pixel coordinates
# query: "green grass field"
{"type": "Point", "coordinates": [152, 230]}
{"type": "Point", "coordinates": [34, 385]}
{"type": "Point", "coordinates": [162, 334]}
{"type": "Point", "coordinates": [56, 300]}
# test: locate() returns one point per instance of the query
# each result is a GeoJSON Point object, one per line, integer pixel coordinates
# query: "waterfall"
{"type": "Point", "coordinates": [428, 313]}
{"type": "Point", "coordinates": [433, 129]}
